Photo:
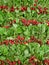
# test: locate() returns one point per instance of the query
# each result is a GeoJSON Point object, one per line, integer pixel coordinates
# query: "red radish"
{"type": "Point", "coordinates": [48, 23]}
{"type": "Point", "coordinates": [25, 42]}
{"type": "Point", "coordinates": [35, 4]}
{"type": "Point", "coordinates": [45, 8]}
{"type": "Point", "coordinates": [6, 42]}
{"type": "Point", "coordinates": [18, 37]}
{"type": "Point", "coordinates": [6, 7]}
{"type": "Point", "coordinates": [24, 20]}
{"type": "Point", "coordinates": [23, 8]}
{"type": "Point", "coordinates": [40, 9]}
{"type": "Point", "coordinates": [32, 37]}
{"type": "Point", "coordinates": [34, 22]}
{"type": "Point", "coordinates": [28, 22]}
{"type": "Point", "coordinates": [11, 41]}
{"type": "Point", "coordinates": [48, 42]}
{"type": "Point", "coordinates": [35, 40]}
{"type": "Point", "coordinates": [2, 63]}
{"type": "Point", "coordinates": [29, 41]}
{"type": "Point", "coordinates": [32, 8]}
{"type": "Point", "coordinates": [14, 21]}
{"type": "Point", "coordinates": [10, 63]}
{"type": "Point", "coordinates": [46, 61]}
{"type": "Point", "coordinates": [14, 62]}
{"type": "Point", "coordinates": [32, 59]}
{"type": "Point", "coordinates": [19, 62]}
{"type": "Point", "coordinates": [6, 27]}
{"type": "Point", "coordinates": [3, 7]}
{"type": "Point", "coordinates": [33, 63]}
{"type": "Point", "coordinates": [22, 38]}
{"type": "Point", "coordinates": [12, 9]}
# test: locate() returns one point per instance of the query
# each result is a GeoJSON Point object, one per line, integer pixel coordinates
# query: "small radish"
{"type": "Point", "coordinates": [35, 4]}
{"type": "Point", "coordinates": [48, 42]}
{"type": "Point", "coordinates": [32, 8]}
{"type": "Point", "coordinates": [12, 9]}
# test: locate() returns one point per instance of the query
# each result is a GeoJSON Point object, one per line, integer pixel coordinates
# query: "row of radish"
{"type": "Point", "coordinates": [21, 40]}
{"type": "Point", "coordinates": [24, 8]}
{"type": "Point", "coordinates": [26, 23]}
{"type": "Point", "coordinates": [32, 60]}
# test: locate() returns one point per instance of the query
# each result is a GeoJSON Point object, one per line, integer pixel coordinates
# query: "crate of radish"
{"type": "Point", "coordinates": [24, 32]}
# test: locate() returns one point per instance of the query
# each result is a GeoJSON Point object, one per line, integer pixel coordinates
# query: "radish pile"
{"type": "Point", "coordinates": [24, 32]}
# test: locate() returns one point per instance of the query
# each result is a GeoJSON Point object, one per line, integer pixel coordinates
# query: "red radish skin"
{"type": "Point", "coordinates": [28, 22]}
{"type": "Point", "coordinates": [2, 63]}
{"type": "Point", "coordinates": [4, 7]}
{"type": "Point", "coordinates": [22, 38]}
{"type": "Point", "coordinates": [29, 41]}
{"type": "Point", "coordinates": [45, 8]}
{"type": "Point", "coordinates": [14, 21]}
{"type": "Point", "coordinates": [6, 42]}
{"type": "Point", "coordinates": [32, 59]}
{"type": "Point", "coordinates": [6, 27]}
{"type": "Point", "coordinates": [19, 62]}
{"type": "Point", "coordinates": [40, 9]}
{"type": "Point", "coordinates": [25, 42]}
{"type": "Point", "coordinates": [34, 22]}
{"type": "Point", "coordinates": [11, 42]}
{"type": "Point", "coordinates": [32, 8]}
{"type": "Point", "coordinates": [46, 61]}
{"type": "Point", "coordinates": [18, 37]}
{"type": "Point", "coordinates": [14, 62]}
{"type": "Point", "coordinates": [48, 23]}
{"type": "Point", "coordinates": [35, 4]}
{"type": "Point", "coordinates": [12, 9]}
{"type": "Point", "coordinates": [48, 42]}
{"type": "Point", "coordinates": [23, 8]}
{"type": "Point", "coordinates": [33, 63]}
